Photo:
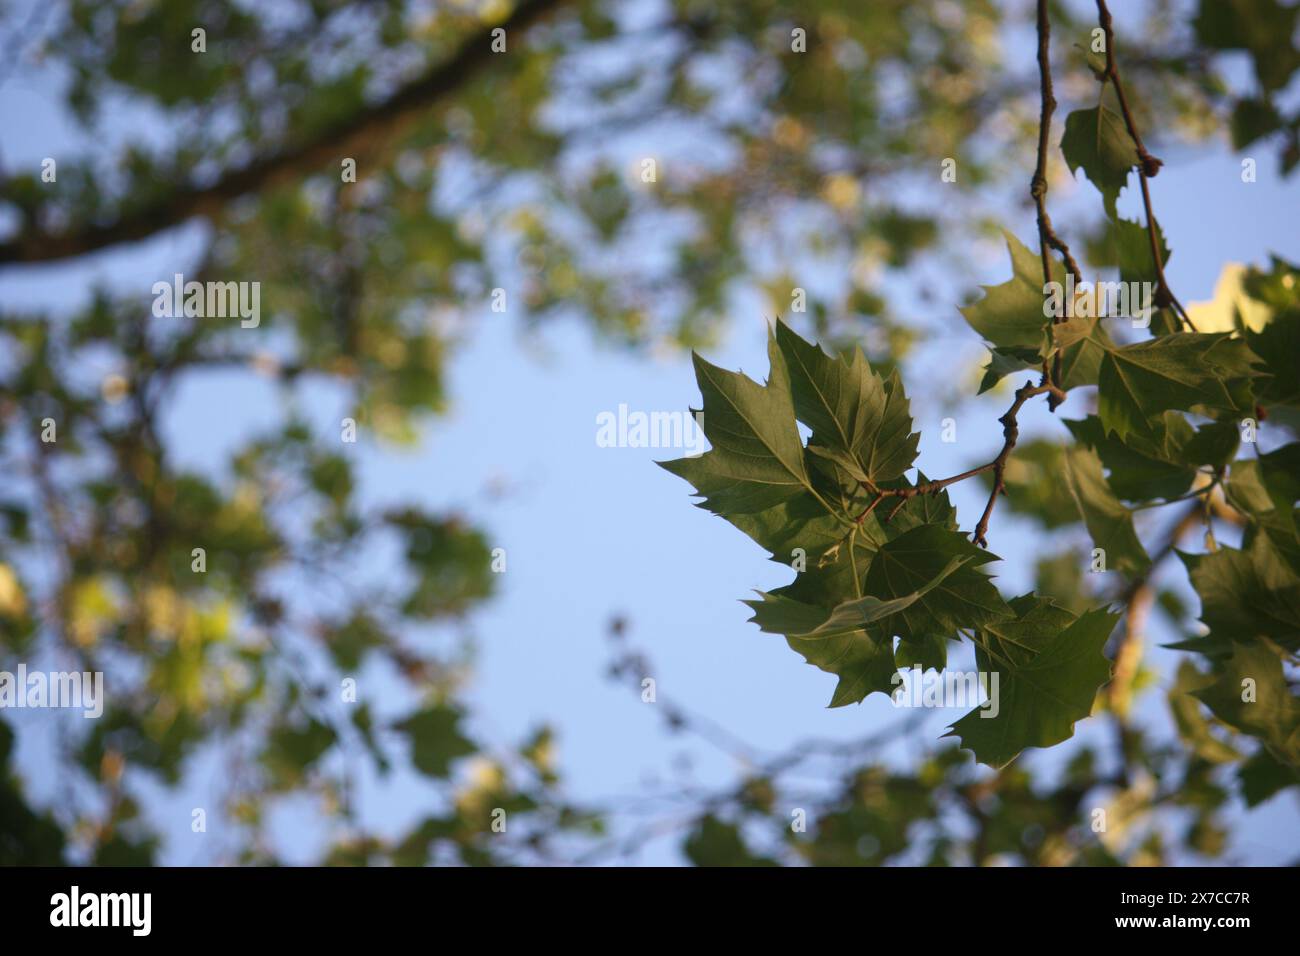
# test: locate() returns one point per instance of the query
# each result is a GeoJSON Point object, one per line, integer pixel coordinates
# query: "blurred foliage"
{"type": "Point", "coordinates": [521, 172]}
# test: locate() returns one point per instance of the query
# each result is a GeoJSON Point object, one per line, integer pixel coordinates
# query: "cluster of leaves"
{"type": "Point", "coordinates": [1170, 411]}
{"type": "Point", "coordinates": [869, 577]}
{"type": "Point", "coordinates": [1233, 699]}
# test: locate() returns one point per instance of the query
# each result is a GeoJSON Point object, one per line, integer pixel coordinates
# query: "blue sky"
{"type": "Point", "coordinates": [595, 532]}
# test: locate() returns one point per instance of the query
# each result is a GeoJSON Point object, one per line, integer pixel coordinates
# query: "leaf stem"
{"type": "Point", "coordinates": [870, 508]}
{"type": "Point", "coordinates": [853, 562]}
{"type": "Point", "coordinates": [1195, 493]}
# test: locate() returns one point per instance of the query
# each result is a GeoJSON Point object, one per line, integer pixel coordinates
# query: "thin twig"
{"type": "Point", "coordinates": [1147, 167]}
{"type": "Point", "coordinates": [1047, 237]}
{"type": "Point", "coordinates": [1010, 434]}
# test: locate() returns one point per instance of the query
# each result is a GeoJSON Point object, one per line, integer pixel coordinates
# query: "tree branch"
{"type": "Point", "coordinates": [1047, 237]}
{"type": "Point", "coordinates": [358, 133]}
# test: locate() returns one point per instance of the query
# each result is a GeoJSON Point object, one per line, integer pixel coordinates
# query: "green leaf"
{"type": "Point", "coordinates": [1214, 444]}
{"type": "Point", "coordinates": [1096, 62]}
{"type": "Point", "coordinates": [1163, 463]}
{"type": "Point", "coordinates": [1109, 523]}
{"type": "Point", "coordinates": [830, 580]}
{"type": "Point", "coordinates": [1277, 290]}
{"type": "Point", "coordinates": [1263, 28]}
{"type": "Point", "coordinates": [964, 598]}
{"type": "Point", "coordinates": [1278, 347]}
{"type": "Point", "coordinates": [1186, 371]}
{"type": "Point", "coordinates": [800, 521]}
{"type": "Point", "coordinates": [1133, 251]}
{"type": "Point", "coordinates": [1047, 680]}
{"type": "Point", "coordinates": [1141, 469]}
{"type": "Point", "coordinates": [1083, 342]}
{"type": "Point", "coordinates": [928, 653]}
{"type": "Point", "coordinates": [1033, 482]}
{"type": "Point", "coordinates": [1007, 361]}
{"type": "Point", "coordinates": [843, 641]}
{"type": "Point", "coordinates": [292, 749]}
{"type": "Point", "coordinates": [778, 614]}
{"type": "Point", "coordinates": [757, 458]}
{"type": "Point", "coordinates": [858, 419]}
{"type": "Point", "coordinates": [1252, 695]}
{"type": "Point", "coordinates": [1011, 315]}
{"type": "Point", "coordinates": [1034, 619]}
{"type": "Point", "coordinates": [1254, 118]}
{"type": "Point", "coordinates": [1280, 472]}
{"type": "Point", "coordinates": [1248, 593]}
{"type": "Point", "coordinates": [1263, 775]}
{"type": "Point", "coordinates": [1137, 265]}
{"type": "Point", "coordinates": [435, 739]}
{"type": "Point", "coordinates": [1245, 488]}
{"type": "Point", "coordinates": [928, 509]}
{"type": "Point", "coordinates": [1060, 578]}
{"type": "Point", "coordinates": [1267, 489]}
{"type": "Point", "coordinates": [1194, 728]}
{"type": "Point", "coordinates": [889, 448]}
{"type": "Point", "coordinates": [1097, 141]}
{"type": "Point", "coordinates": [863, 661]}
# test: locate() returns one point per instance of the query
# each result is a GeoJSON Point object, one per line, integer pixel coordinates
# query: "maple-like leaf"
{"type": "Point", "coordinates": [757, 458]}
{"type": "Point", "coordinates": [1278, 346]}
{"type": "Point", "coordinates": [1097, 141]}
{"type": "Point", "coordinates": [1020, 334]}
{"type": "Point", "coordinates": [858, 419]}
{"type": "Point", "coordinates": [1248, 593]}
{"type": "Point", "coordinates": [1010, 316]}
{"type": "Point", "coordinates": [1185, 371]}
{"type": "Point", "coordinates": [965, 597]}
{"type": "Point", "coordinates": [1050, 667]}
{"type": "Point", "coordinates": [779, 614]}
